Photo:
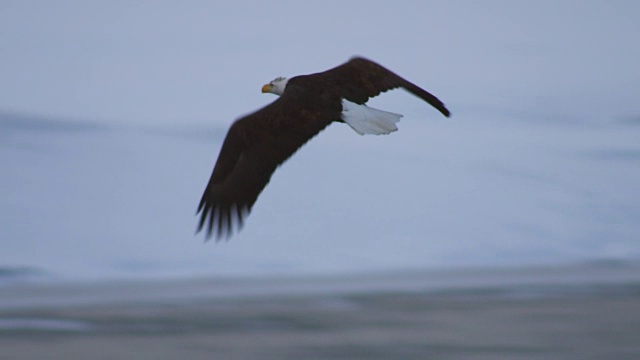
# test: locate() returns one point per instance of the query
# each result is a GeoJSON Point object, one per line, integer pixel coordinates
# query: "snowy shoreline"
{"type": "Point", "coordinates": [520, 282]}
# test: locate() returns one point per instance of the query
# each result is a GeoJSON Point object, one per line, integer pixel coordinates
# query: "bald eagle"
{"type": "Point", "coordinates": [258, 143]}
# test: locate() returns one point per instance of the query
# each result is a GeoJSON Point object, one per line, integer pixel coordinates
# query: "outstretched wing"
{"type": "Point", "coordinates": [252, 150]}
{"type": "Point", "coordinates": [360, 79]}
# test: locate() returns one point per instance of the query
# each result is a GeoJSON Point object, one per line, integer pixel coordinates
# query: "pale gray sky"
{"type": "Point", "coordinates": [112, 113]}
{"type": "Point", "coordinates": [173, 62]}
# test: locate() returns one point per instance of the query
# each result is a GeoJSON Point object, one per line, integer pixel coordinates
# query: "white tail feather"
{"type": "Point", "coordinates": [366, 120]}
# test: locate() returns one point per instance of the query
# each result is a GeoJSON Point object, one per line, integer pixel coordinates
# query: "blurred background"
{"type": "Point", "coordinates": [112, 115]}
{"type": "Point", "coordinates": [510, 230]}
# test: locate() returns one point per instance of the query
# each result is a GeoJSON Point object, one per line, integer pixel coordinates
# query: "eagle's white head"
{"type": "Point", "coordinates": [276, 86]}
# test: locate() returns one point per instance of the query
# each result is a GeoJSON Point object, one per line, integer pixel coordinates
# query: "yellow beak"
{"type": "Point", "coordinates": [266, 88]}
